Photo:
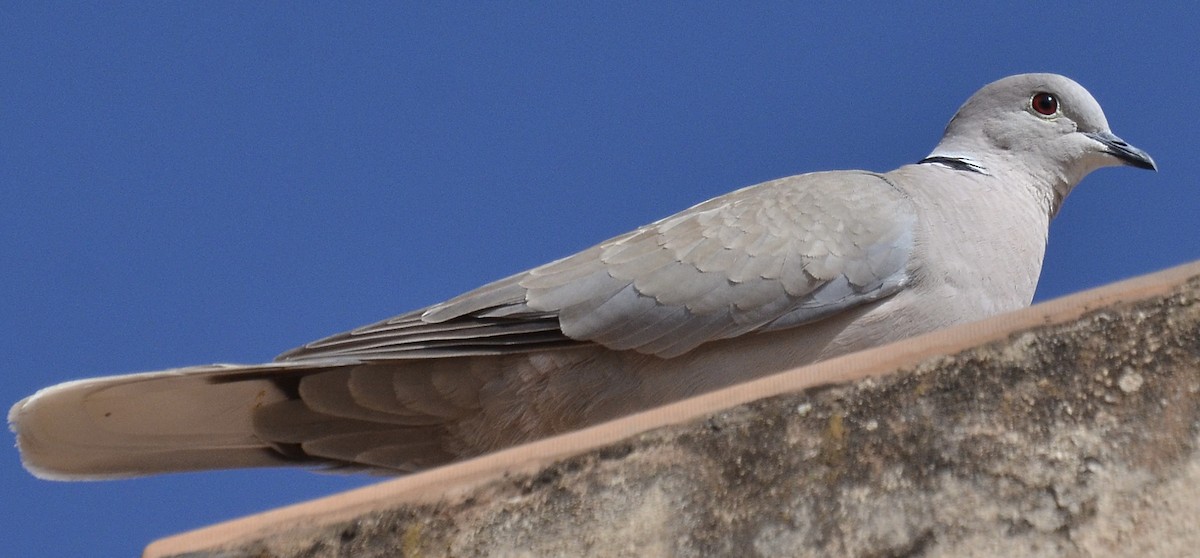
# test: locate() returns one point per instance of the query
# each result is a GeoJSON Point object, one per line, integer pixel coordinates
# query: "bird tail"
{"type": "Point", "coordinates": [184, 419]}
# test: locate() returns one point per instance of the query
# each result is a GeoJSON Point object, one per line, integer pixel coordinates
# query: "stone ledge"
{"type": "Point", "coordinates": [1067, 429]}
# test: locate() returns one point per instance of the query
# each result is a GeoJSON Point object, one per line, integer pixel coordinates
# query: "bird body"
{"type": "Point", "coordinates": [757, 281]}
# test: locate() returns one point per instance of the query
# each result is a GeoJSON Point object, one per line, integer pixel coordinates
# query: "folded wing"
{"type": "Point", "coordinates": [775, 255]}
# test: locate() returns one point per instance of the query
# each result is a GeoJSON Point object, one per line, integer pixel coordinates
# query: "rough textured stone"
{"type": "Point", "coordinates": [1075, 439]}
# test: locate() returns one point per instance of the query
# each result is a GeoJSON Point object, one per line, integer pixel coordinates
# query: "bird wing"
{"type": "Point", "coordinates": [775, 255]}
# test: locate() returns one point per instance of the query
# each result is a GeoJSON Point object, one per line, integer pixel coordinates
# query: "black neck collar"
{"type": "Point", "coordinates": [955, 163]}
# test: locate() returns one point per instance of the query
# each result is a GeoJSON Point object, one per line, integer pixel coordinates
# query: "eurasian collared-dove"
{"type": "Point", "coordinates": [757, 281]}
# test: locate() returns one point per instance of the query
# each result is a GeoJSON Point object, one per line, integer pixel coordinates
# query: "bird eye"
{"type": "Point", "coordinates": [1044, 103]}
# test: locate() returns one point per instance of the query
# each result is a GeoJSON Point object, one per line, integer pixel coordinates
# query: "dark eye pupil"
{"type": "Point", "coordinates": [1045, 103]}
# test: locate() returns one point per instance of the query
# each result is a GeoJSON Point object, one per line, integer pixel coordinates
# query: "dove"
{"type": "Point", "coordinates": [761, 280]}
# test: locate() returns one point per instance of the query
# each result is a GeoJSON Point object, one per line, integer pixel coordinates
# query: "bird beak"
{"type": "Point", "coordinates": [1128, 154]}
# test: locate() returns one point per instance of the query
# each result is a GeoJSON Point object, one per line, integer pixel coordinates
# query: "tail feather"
{"type": "Point", "coordinates": [336, 413]}
{"type": "Point", "coordinates": [183, 419]}
{"type": "Point", "coordinates": [405, 458]}
{"type": "Point", "coordinates": [401, 449]}
{"type": "Point", "coordinates": [293, 422]}
{"type": "Point", "coordinates": [374, 391]}
{"type": "Point", "coordinates": [330, 393]}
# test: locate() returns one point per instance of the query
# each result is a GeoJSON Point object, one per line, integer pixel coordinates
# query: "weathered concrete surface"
{"type": "Point", "coordinates": [1074, 438]}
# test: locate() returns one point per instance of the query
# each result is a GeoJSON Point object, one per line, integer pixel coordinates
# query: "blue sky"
{"type": "Point", "coordinates": [185, 183]}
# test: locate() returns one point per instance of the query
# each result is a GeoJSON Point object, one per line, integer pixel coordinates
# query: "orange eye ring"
{"type": "Point", "coordinates": [1044, 103]}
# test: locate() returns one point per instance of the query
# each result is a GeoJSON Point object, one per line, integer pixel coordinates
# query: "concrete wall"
{"type": "Point", "coordinates": [1068, 429]}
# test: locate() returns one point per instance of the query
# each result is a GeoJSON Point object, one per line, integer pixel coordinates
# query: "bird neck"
{"type": "Point", "coordinates": [1048, 188]}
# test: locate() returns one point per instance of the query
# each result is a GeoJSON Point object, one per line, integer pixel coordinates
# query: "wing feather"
{"type": "Point", "coordinates": [779, 254]}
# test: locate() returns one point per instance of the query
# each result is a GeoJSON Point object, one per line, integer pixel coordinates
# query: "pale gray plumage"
{"type": "Point", "coordinates": [757, 281]}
